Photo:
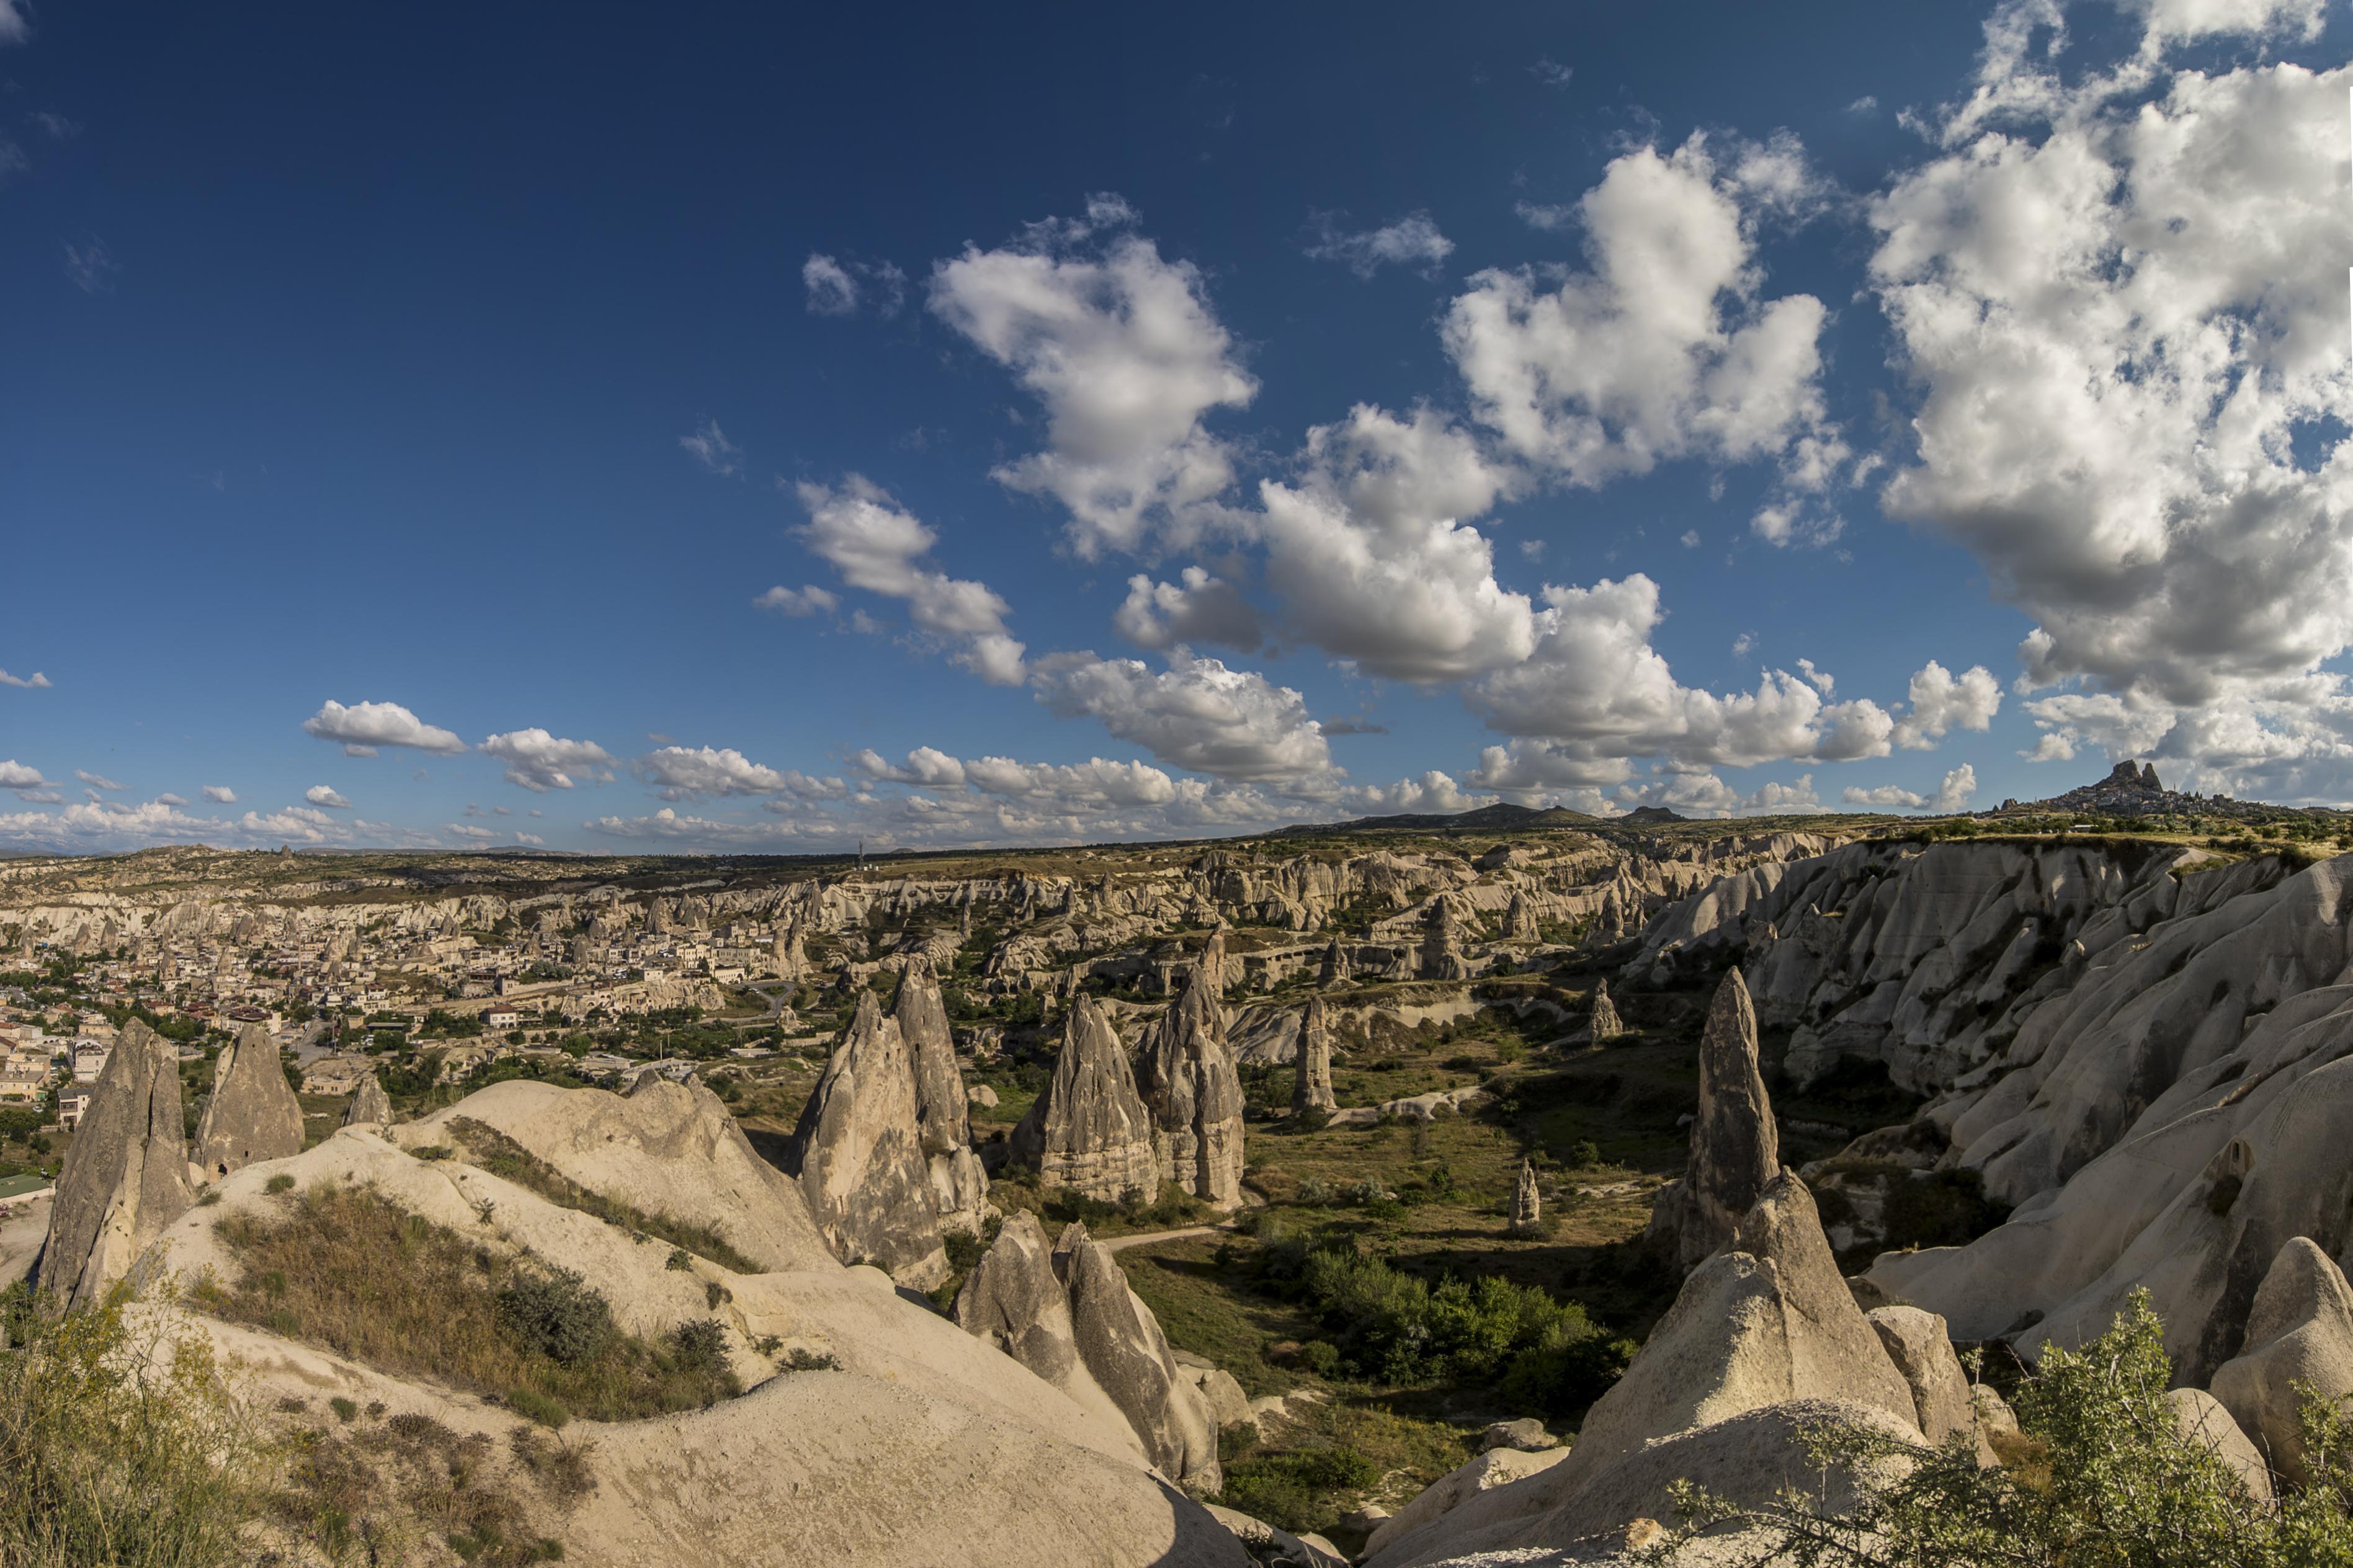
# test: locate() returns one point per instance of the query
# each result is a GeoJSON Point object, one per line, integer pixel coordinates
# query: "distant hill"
{"type": "Point", "coordinates": [1498, 818]}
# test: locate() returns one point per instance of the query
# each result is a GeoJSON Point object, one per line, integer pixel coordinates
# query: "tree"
{"type": "Point", "coordinates": [2099, 1477]}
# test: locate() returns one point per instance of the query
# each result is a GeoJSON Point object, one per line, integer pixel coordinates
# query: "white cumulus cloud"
{"type": "Point", "coordinates": [220, 794]}
{"type": "Point", "coordinates": [36, 681]}
{"type": "Point", "coordinates": [1196, 608]}
{"type": "Point", "coordinates": [708, 445]}
{"type": "Point", "coordinates": [1121, 347]}
{"type": "Point", "coordinates": [875, 544]}
{"type": "Point", "coordinates": [1196, 713]}
{"type": "Point", "coordinates": [540, 762]}
{"type": "Point", "coordinates": [323, 795]}
{"type": "Point", "coordinates": [798, 601]}
{"type": "Point", "coordinates": [366, 725]}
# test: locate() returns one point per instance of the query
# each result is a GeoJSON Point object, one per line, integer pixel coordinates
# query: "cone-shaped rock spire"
{"type": "Point", "coordinates": [860, 1158]}
{"type": "Point", "coordinates": [253, 1114]}
{"type": "Point", "coordinates": [1192, 1091]}
{"type": "Point", "coordinates": [1312, 1091]}
{"type": "Point", "coordinates": [1735, 1149]}
{"type": "Point", "coordinates": [1089, 1129]}
{"type": "Point", "coordinates": [370, 1106]}
{"type": "Point", "coordinates": [1605, 1024]}
{"type": "Point", "coordinates": [126, 1176]}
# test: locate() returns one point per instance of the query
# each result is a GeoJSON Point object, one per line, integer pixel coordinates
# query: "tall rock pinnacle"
{"type": "Point", "coordinates": [861, 1157]}
{"type": "Point", "coordinates": [253, 1115]}
{"type": "Point", "coordinates": [1088, 1129]}
{"type": "Point", "coordinates": [1313, 1091]}
{"type": "Point", "coordinates": [1735, 1149]}
{"type": "Point", "coordinates": [1194, 1092]}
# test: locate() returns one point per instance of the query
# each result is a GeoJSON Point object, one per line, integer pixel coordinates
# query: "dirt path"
{"type": "Point", "coordinates": [1250, 1200]}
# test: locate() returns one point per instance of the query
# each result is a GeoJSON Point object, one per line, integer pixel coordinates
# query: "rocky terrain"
{"type": "Point", "coordinates": [908, 1306]}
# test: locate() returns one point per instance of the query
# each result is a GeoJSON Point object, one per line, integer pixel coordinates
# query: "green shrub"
{"type": "Point", "coordinates": [1298, 1491]}
{"type": "Point", "coordinates": [120, 1446]}
{"type": "Point", "coordinates": [699, 1344]}
{"type": "Point", "coordinates": [346, 1410]}
{"type": "Point", "coordinates": [534, 1406]}
{"type": "Point", "coordinates": [280, 1183]}
{"type": "Point", "coordinates": [558, 1312]}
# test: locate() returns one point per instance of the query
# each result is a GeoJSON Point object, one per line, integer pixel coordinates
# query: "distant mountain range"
{"type": "Point", "coordinates": [1486, 820]}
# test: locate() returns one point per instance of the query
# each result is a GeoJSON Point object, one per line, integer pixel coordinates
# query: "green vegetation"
{"type": "Point", "coordinates": [501, 1156]}
{"type": "Point", "coordinates": [117, 1447]}
{"type": "Point", "coordinates": [2099, 1477]}
{"type": "Point", "coordinates": [343, 1267]}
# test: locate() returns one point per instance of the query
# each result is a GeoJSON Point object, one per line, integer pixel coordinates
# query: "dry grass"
{"type": "Point", "coordinates": [343, 1267]}
{"type": "Point", "coordinates": [373, 1491]}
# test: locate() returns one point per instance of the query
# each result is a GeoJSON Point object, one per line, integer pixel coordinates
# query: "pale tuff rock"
{"type": "Point", "coordinates": [1188, 1079]}
{"type": "Point", "coordinates": [1604, 1025]}
{"type": "Point", "coordinates": [2299, 1331]}
{"type": "Point", "coordinates": [126, 1175]}
{"type": "Point", "coordinates": [1527, 1435]}
{"type": "Point", "coordinates": [1519, 923]}
{"type": "Point", "coordinates": [922, 1020]}
{"type": "Point", "coordinates": [1313, 1088]}
{"type": "Point", "coordinates": [1498, 1466]}
{"type": "Point", "coordinates": [665, 1148]}
{"type": "Point", "coordinates": [860, 1155]}
{"type": "Point", "coordinates": [1265, 1543]}
{"type": "Point", "coordinates": [2242, 1154]}
{"type": "Point", "coordinates": [1121, 1342]}
{"type": "Point", "coordinates": [1922, 1354]}
{"type": "Point", "coordinates": [370, 1106]}
{"type": "Point", "coordinates": [1015, 1300]}
{"type": "Point", "coordinates": [980, 1094]}
{"type": "Point", "coordinates": [1088, 1129]}
{"type": "Point", "coordinates": [959, 1186]}
{"type": "Point", "coordinates": [1735, 1145]}
{"type": "Point", "coordinates": [253, 1114]}
{"type": "Point", "coordinates": [927, 1447]}
{"type": "Point", "coordinates": [1334, 969]}
{"type": "Point", "coordinates": [1526, 1205]}
{"type": "Point", "coordinates": [1763, 1340]}
{"type": "Point", "coordinates": [1441, 944]}
{"type": "Point", "coordinates": [1228, 1404]}
{"type": "Point", "coordinates": [2203, 1420]}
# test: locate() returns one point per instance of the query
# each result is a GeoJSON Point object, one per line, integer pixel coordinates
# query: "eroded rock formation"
{"type": "Point", "coordinates": [1088, 1129]}
{"type": "Point", "coordinates": [370, 1106]}
{"type": "Point", "coordinates": [1121, 1342]}
{"type": "Point", "coordinates": [860, 1157]}
{"type": "Point", "coordinates": [1735, 1145]}
{"type": "Point", "coordinates": [1527, 1206]}
{"type": "Point", "coordinates": [253, 1114]}
{"type": "Point", "coordinates": [125, 1176]}
{"type": "Point", "coordinates": [1188, 1079]}
{"type": "Point", "coordinates": [1605, 1025]}
{"type": "Point", "coordinates": [1312, 1089]}
{"type": "Point", "coordinates": [959, 1186]}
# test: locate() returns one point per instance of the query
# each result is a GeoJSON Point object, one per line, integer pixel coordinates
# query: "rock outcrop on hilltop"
{"type": "Point", "coordinates": [253, 1114]}
{"type": "Point", "coordinates": [1735, 1145]}
{"type": "Point", "coordinates": [1763, 1341]}
{"type": "Point", "coordinates": [1088, 1129]}
{"type": "Point", "coordinates": [916, 1444]}
{"type": "Point", "coordinates": [370, 1106]}
{"type": "Point", "coordinates": [1186, 1076]}
{"type": "Point", "coordinates": [1312, 1089]}
{"type": "Point", "coordinates": [126, 1174]}
{"type": "Point", "coordinates": [859, 1154]}
{"type": "Point", "coordinates": [959, 1186]}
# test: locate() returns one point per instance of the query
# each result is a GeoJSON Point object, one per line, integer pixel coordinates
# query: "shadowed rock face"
{"type": "Point", "coordinates": [1312, 1091]}
{"type": "Point", "coordinates": [1089, 1129]}
{"type": "Point", "coordinates": [126, 1175]}
{"type": "Point", "coordinates": [1194, 1093]}
{"type": "Point", "coordinates": [1121, 1342]}
{"type": "Point", "coordinates": [861, 1156]}
{"type": "Point", "coordinates": [370, 1106]}
{"type": "Point", "coordinates": [253, 1114]}
{"type": "Point", "coordinates": [1735, 1149]}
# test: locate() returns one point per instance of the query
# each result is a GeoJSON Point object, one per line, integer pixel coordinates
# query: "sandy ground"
{"type": "Point", "coordinates": [20, 1239]}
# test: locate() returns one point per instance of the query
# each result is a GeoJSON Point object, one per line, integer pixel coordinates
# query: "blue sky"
{"type": "Point", "coordinates": [1159, 425]}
